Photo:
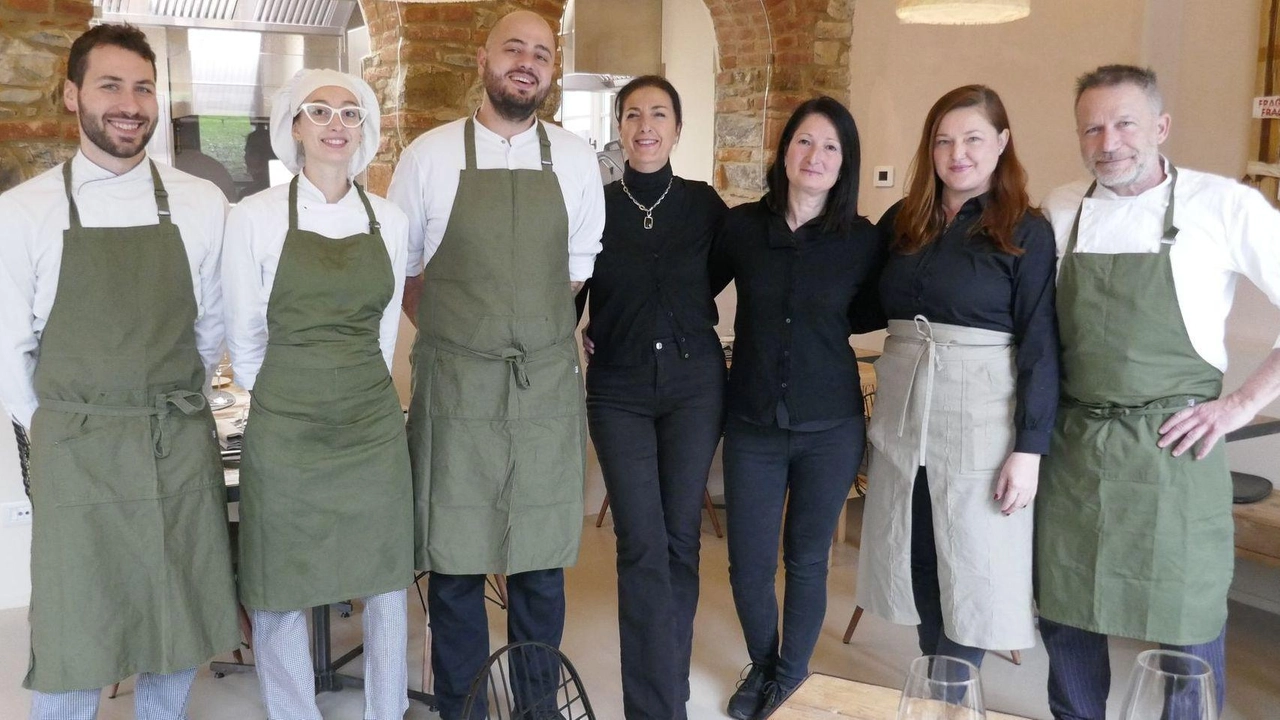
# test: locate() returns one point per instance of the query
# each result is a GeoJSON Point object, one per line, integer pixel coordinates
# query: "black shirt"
{"type": "Point", "coordinates": [961, 279]}
{"type": "Point", "coordinates": [798, 297]}
{"type": "Point", "coordinates": [653, 284]}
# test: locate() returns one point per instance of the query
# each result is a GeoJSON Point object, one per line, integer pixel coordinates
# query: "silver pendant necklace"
{"type": "Point", "coordinates": [648, 211]}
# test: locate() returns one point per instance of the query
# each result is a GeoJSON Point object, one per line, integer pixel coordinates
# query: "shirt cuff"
{"type": "Point", "coordinates": [1035, 442]}
{"type": "Point", "coordinates": [581, 267]}
{"type": "Point", "coordinates": [22, 413]}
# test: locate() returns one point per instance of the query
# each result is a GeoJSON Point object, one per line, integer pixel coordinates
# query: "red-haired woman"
{"type": "Point", "coordinates": [967, 390]}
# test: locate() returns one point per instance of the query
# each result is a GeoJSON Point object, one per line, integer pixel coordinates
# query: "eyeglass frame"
{"type": "Point", "coordinates": [336, 112]}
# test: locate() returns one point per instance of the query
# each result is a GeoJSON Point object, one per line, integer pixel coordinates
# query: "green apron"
{"type": "Point", "coordinates": [130, 561]}
{"type": "Point", "coordinates": [1130, 540]}
{"type": "Point", "coordinates": [325, 504]}
{"type": "Point", "coordinates": [497, 430]}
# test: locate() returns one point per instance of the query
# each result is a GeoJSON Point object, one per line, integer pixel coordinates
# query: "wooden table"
{"type": "Point", "coordinates": [824, 697]}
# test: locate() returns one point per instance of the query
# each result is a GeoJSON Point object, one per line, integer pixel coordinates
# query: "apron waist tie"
{"type": "Point", "coordinates": [188, 402]}
{"type": "Point", "coordinates": [1163, 406]}
{"type": "Point", "coordinates": [518, 356]}
{"type": "Point", "coordinates": [928, 352]}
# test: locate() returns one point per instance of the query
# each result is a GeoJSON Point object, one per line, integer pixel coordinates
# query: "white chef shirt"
{"type": "Point", "coordinates": [1225, 230]}
{"type": "Point", "coordinates": [255, 236]}
{"type": "Point", "coordinates": [34, 216]}
{"type": "Point", "coordinates": [426, 182]}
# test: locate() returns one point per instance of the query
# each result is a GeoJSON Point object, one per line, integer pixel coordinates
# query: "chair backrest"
{"type": "Point", "coordinates": [527, 681]}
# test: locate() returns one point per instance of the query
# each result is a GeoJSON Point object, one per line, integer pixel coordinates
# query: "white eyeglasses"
{"type": "Point", "coordinates": [351, 116]}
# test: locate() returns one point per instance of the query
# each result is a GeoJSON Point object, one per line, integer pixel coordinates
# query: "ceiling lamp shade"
{"type": "Point", "coordinates": [962, 12]}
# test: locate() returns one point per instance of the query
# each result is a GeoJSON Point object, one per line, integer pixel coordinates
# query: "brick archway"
{"type": "Point", "coordinates": [773, 55]}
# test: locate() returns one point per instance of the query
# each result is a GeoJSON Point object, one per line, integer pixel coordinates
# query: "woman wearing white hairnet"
{"type": "Point", "coordinates": [313, 274]}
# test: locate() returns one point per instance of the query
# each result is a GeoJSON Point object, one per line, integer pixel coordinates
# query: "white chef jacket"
{"type": "Point", "coordinates": [33, 217]}
{"type": "Point", "coordinates": [1225, 230]}
{"type": "Point", "coordinates": [255, 236]}
{"type": "Point", "coordinates": [426, 182]}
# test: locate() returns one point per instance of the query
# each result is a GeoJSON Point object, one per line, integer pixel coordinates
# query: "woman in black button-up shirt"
{"type": "Point", "coordinates": [968, 390]}
{"type": "Point", "coordinates": [800, 258]}
{"type": "Point", "coordinates": [655, 393]}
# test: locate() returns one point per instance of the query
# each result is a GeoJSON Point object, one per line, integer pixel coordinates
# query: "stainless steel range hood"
{"type": "Point", "coordinates": [306, 17]}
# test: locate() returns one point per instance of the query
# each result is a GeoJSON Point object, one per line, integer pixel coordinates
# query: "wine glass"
{"type": "Point", "coordinates": [1170, 685]}
{"type": "Point", "coordinates": [220, 398]}
{"type": "Point", "coordinates": [941, 688]}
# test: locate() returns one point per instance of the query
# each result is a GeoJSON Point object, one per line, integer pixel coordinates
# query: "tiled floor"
{"type": "Point", "coordinates": [879, 653]}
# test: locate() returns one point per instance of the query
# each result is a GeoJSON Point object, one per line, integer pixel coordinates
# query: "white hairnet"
{"type": "Point", "coordinates": [289, 99]}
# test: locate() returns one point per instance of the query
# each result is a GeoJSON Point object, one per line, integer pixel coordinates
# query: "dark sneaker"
{"type": "Point", "coordinates": [746, 699]}
{"type": "Point", "coordinates": [771, 696]}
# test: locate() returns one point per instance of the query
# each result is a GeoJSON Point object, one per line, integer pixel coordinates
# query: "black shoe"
{"type": "Point", "coordinates": [746, 699]}
{"type": "Point", "coordinates": [771, 696]}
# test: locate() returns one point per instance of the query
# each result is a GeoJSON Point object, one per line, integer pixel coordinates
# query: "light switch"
{"type": "Point", "coordinates": [882, 176]}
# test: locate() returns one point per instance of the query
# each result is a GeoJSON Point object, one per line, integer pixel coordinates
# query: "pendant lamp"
{"type": "Point", "coordinates": [962, 12]}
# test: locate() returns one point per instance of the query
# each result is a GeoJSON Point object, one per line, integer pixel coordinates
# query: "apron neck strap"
{"type": "Point", "coordinates": [544, 145]}
{"type": "Point", "coordinates": [293, 202]}
{"type": "Point", "coordinates": [469, 143]}
{"type": "Point", "coordinates": [1167, 239]}
{"type": "Point", "coordinates": [162, 195]}
{"type": "Point", "coordinates": [374, 225]}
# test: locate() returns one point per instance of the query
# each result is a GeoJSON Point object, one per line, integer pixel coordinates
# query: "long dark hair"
{"type": "Point", "coordinates": [922, 218]}
{"type": "Point", "coordinates": [841, 210]}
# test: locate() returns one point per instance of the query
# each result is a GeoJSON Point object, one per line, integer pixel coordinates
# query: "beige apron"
{"type": "Point", "coordinates": [945, 400]}
{"type": "Point", "coordinates": [130, 561]}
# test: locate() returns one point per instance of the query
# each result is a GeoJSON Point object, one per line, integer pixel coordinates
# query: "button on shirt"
{"type": "Point", "coordinates": [654, 284]}
{"type": "Point", "coordinates": [962, 279]}
{"type": "Point", "coordinates": [36, 213]}
{"type": "Point", "coordinates": [256, 230]}
{"type": "Point", "coordinates": [1226, 230]}
{"type": "Point", "coordinates": [798, 299]}
{"type": "Point", "coordinates": [426, 182]}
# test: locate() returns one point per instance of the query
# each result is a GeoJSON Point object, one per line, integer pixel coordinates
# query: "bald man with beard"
{"type": "Point", "coordinates": [505, 217]}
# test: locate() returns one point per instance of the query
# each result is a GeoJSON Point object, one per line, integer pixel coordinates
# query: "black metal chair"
{"type": "Point", "coordinates": [528, 681]}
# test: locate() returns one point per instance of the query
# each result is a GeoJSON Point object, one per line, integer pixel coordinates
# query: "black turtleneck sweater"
{"type": "Point", "coordinates": [653, 284]}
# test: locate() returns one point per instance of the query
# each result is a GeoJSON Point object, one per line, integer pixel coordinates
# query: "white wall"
{"type": "Point", "coordinates": [689, 62]}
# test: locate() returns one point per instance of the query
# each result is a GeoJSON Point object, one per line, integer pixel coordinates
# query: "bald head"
{"type": "Point", "coordinates": [517, 64]}
{"type": "Point", "coordinates": [525, 26]}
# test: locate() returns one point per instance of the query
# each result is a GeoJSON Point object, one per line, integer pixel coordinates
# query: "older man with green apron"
{"type": "Point", "coordinates": [109, 321]}
{"type": "Point", "coordinates": [506, 214]}
{"type": "Point", "coordinates": [1134, 533]}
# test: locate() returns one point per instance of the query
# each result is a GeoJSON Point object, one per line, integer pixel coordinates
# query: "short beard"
{"type": "Point", "coordinates": [93, 129]}
{"type": "Point", "coordinates": [509, 107]}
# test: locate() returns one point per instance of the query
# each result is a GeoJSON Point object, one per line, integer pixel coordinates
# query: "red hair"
{"type": "Point", "coordinates": [922, 219]}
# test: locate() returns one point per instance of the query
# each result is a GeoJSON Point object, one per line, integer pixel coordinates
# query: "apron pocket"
{"type": "Point", "coordinates": [111, 461]}
{"type": "Point", "coordinates": [988, 407]}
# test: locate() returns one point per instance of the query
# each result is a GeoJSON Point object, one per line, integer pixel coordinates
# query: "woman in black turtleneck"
{"type": "Point", "coordinates": [655, 393]}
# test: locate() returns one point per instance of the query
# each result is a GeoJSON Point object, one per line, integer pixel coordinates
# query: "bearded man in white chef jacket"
{"type": "Point", "coordinates": [110, 319]}
{"type": "Point", "coordinates": [1134, 528]}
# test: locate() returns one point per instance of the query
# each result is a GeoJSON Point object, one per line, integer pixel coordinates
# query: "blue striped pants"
{"type": "Point", "coordinates": [1080, 669]}
{"type": "Point", "coordinates": [155, 697]}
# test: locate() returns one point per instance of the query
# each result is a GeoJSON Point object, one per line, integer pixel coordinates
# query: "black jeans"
{"type": "Point", "coordinates": [655, 428]}
{"type": "Point", "coordinates": [460, 627]}
{"type": "Point", "coordinates": [809, 473]}
{"type": "Point", "coordinates": [924, 580]}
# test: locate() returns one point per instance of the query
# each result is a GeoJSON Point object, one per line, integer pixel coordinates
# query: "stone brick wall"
{"type": "Point", "coordinates": [423, 69]}
{"type": "Point", "coordinates": [36, 132]}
